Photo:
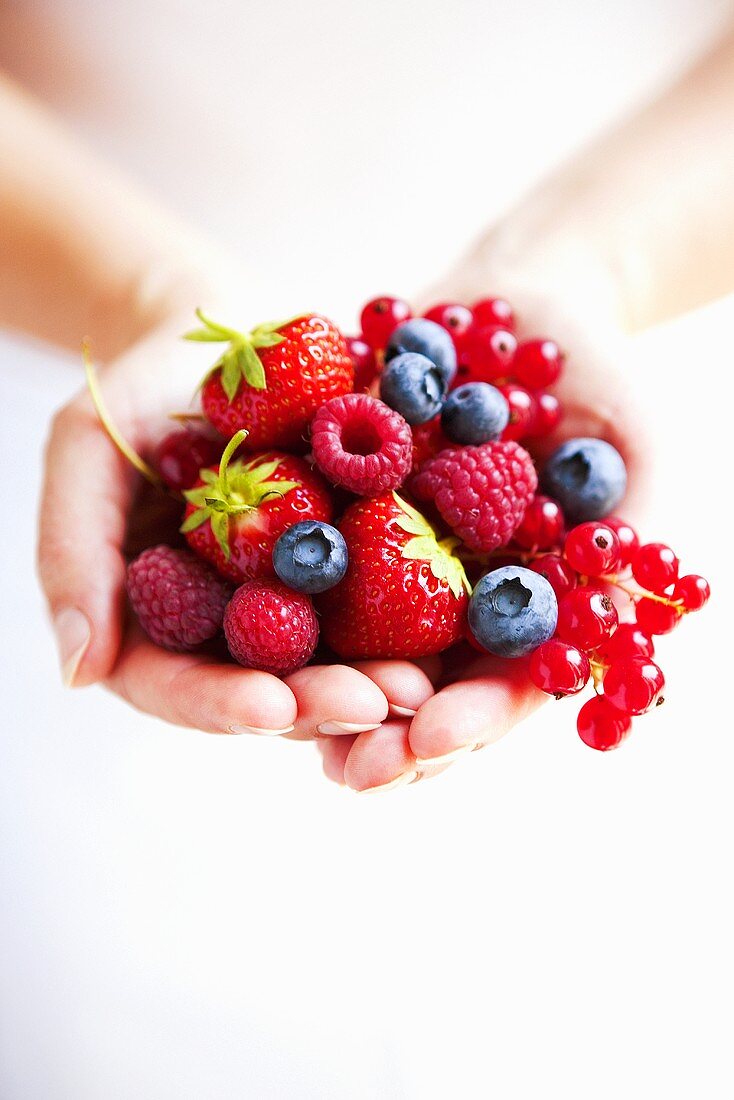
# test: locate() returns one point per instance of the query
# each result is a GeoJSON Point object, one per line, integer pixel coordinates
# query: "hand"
{"type": "Point", "coordinates": [480, 698]}
{"type": "Point", "coordinates": [90, 499]}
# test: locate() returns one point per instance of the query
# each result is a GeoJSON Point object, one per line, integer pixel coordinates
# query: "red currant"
{"type": "Point", "coordinates": [542, 525]}
{"type": "Point", "coordinates": [547, 414]}
{"type": "Point", "coordinates": [586, 618]}
{"type": "Point", "coordinates": [657, 618]}
{"type": "Point", "coordinates": [380, 317]}
{"type": "Point", "coordinates": [600, 725]}
{"type": "Point", "coordinates": [489, 351]}
{"type": "Point", "coordinates": [628, 640]}
{"type": "Point", "coordinates": [558, 668]}
{"type": "Point", "coordinates": [655, 567]}
{"type": "Point", "coordinates": [538, 363]}
{"type": "Point", "coordinates": [628, 540]}
{"type": "Point", "coordinates": [692, 591]}
{"type": "Point", "coordinates": [557, 572]}
{"type": "Point", "coordinates": [181, 454]}
{"type": "Point", "coordinates": [365, 363]}
{"type": "Point", "coordinates": [593, 549]}
{"type": "Point", "coordinates": [633, 685]}
{"type": "Point", "coordinates": [455, 318]}
{"type": "Point", "coordinates": [494, 311]}
{"type": "Point", "coordinates": [522, 410]}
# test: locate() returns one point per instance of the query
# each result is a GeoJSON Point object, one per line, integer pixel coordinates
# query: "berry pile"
{"type": "Point", "coordinates": [301, 490]}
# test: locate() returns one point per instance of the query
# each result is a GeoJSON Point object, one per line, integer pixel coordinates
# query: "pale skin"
{"type": "Point", "coordinates": [636, 229]}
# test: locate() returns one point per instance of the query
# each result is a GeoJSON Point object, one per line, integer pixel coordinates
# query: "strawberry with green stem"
{"type": "Point", "coordinates": [405, 592]}
{"type": "Point", "coordinates": [274, 378]}
{"type": "Point", "coordinates": [238, 510]}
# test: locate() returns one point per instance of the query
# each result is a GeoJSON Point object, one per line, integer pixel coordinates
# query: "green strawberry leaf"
{"type": "Point", "coordinates": [424, 546]}
{"type": "Point", "coordinates": [201, 515]}
{"type": "Point", "coordinates": [231, 374]}
{"type": "Point", "coordinates": [251, 367]}
{"type": "Point", "coordinates": [220, 527]}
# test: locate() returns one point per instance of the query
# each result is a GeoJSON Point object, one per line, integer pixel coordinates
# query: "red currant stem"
{"type": "Point", "coordinates": [109, 425]}
{"type": "Point", "coordinates": [640, 594]}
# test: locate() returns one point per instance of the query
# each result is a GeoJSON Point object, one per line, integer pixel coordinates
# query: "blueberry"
{"type": "Point", "coordinates": [475, 413]}
{"type": "Point", "coordinates": [310, 556]}
{"type": "Point", "coordinates": [588, 478]}
{"type": "Point", "coordinates": [412, 385]}
{"type": "Point", "coordinates": [426, 338]}
{"type": "Point", "coordinates": [512, 611]}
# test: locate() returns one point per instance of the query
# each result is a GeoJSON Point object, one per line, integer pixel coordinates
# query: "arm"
{"type": "Point", "coordinates": [644, 218]}
{"type": "Point", "coordinates": [634, 230]}
{"type": "Point", "coordinates": [83, 253]}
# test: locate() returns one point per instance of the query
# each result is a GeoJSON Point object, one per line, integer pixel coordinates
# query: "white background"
{"type": "Point", "coordinates": [203, 919]}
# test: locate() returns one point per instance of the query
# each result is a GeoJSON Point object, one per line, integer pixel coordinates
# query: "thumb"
{"type": "Point", "coordinates": [84, 503]}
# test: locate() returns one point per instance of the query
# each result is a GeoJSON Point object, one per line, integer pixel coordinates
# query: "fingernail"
{"type": "Point", "coordinates": [73, 635]}
{"type": "Point", "coordinates": [402, 712]}
{"type": "Point", "coordinates": [401, 781]}
{"type": "Point", "coordinates": [260, 731]}
{"type": "Point", "coordinates": [336, 728]}
{"type": "Point", "coordinates": [448, 757]}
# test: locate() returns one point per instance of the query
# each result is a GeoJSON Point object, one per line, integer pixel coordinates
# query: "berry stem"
{"type": "Point", "coordinates": [229, 450]}
{"type": "Point", "coordinates": [109, 425]}
{"type": "Point", "coordinates": [641, 593]}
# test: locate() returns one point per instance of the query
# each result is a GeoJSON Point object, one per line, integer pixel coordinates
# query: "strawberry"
{"type": "Point", "coordinates": [404, 593]}
{"type": "Point", "coordinates": [273, 379]}
{"type": "Point", "coordinates": [237, 511]}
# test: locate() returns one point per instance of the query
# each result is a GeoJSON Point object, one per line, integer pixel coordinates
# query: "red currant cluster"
{"type": "Point", "coordinates": [594, 561]}
{"type": "Point", "coordinates": [487, 350]}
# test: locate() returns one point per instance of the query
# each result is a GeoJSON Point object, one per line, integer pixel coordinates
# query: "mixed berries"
{"type": "Point", "coordinates": [319, 514]}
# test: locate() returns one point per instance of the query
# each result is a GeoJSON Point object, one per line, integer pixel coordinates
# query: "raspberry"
{"type": "Point", "coordinates": [361, 444]}
{"type": "Point", "coordinates": [179, 601]}
{"type": "Point", "coordinates": [481, 492]}
{"type": "Point", "coordinates": [271, 628]}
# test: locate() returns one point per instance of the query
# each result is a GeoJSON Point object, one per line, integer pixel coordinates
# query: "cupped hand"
{"type": "Point", "coordinates": [479, 698]}
{"type": "Point", "coordinates": [90, 498]}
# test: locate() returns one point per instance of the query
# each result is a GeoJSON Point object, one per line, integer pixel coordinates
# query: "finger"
{"type": "Point", "coordinates": [381, 759]}
{"type": "Point", "coordinates": [334, 700]}
{"type": "Point", "coordinates": [334, 751]}
{"type": "Point", "coordinates": [198, 692]}
{"type": "Point", "coordinates": [474, 711]}
{"type": "Point", "coordinates": [405, 686]}
{"type": "Point", "coordinates": [85, 499]}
